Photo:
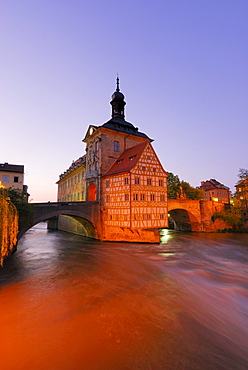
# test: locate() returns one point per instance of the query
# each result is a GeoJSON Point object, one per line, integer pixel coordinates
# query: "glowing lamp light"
{"type": "Point", "coordinates": [164, 236]}
{"type": "Point", "coordinates": [215, 199]}
{"type": "Point", "coordinates": [164, 232]}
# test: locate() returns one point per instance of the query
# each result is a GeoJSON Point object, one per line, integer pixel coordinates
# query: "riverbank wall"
{"type": "Point", "coordinates": [81, 227]}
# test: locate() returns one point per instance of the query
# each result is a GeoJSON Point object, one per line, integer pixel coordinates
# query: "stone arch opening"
{"type": "Point", "coordinates": [182, 220]}
{"type": "Point", "coordinates": [76, 225]}
{"type": "Point", "coordinates": [92, 192]}
{"type": "Point", "coordinates": [72, 224]}
{"type": "Point", "coordinates": [53, 211]}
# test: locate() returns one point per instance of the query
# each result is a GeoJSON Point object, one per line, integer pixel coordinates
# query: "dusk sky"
{"type": "Point", "coordinates": [183, 68]}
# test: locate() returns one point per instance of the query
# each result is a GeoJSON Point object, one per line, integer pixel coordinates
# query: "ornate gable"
{"type": "Point", "coordinates": [90, 132]}
{"type": "Point", "coordinates": [149, 162]}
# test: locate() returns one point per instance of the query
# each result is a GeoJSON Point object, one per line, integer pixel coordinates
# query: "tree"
{"type": "Point", "coordinates": [173, 183]}
{"type": "Point", "coordinates": [176, 187]}
{"type": "Point", "coordinates": [191, 192]}
{"type": "Point", "coordinates": [8, 226]}
{"type": "Point", "coordinates": [243, 174]}
{"type": "Point", "coordinates": [25, 210]}
{"type": "Point", "coordinates": [232, 216]}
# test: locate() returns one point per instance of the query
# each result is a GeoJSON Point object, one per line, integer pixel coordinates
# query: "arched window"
{"type": "Point", "coordinates": [92, 192]}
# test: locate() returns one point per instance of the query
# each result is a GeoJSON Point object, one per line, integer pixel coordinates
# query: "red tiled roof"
{"type": "Point", "coordinates": [127, 160]}
{"type": "Point", "coordinates": [212, 184]}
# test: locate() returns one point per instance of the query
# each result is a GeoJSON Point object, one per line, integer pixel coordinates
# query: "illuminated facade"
{"type": "Point", "coordinates": [12, 176]}
{"type": "Point", "coordinates": [71, 184]}
{"type": "Point", "coordinates": [242, 195]}
{"type": "Point", "coordinates": [135, 192]}
{"type": "Point", "coordinates": [124, 174]}
{"type": "Point", "coordinates": [105, 143]}
{"type": "Point", "coordinates": [242, 190]}
{"type": "Point", "coordinates": [215, 191]}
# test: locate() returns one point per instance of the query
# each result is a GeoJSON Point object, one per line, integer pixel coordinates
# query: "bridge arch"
{"type": "Point", "coordinates": [184, 214]}
{"type": "Point", "coordinates": [84, 214]}
{"type": "Point", "coordinates": [75, 225]}
{"type": "Point", "coordinates": [182, 220]}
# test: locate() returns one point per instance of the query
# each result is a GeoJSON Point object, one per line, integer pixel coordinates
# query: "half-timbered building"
{"type": "Point", "coordinates": [135, 192]}
{"type": "Point", "coordinates": [123, 174]}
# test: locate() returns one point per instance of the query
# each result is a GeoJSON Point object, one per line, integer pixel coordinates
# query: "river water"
{"type": "Point", "coordinates": [67, 302]}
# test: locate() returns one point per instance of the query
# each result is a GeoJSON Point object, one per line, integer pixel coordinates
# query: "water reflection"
{"type": "Point", "coordinates": [80, 304]}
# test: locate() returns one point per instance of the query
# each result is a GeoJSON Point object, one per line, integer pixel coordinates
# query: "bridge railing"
{"type": "Point", "coordinates": [71, 203]}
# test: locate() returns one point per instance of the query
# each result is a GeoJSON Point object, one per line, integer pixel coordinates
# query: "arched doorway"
{"type": "Point", "coordinates": [92, 192]}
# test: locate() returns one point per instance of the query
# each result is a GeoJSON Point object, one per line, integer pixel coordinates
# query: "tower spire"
{"type": "Point", "coordinates": [118, 102]}
{"type": "Point", "coordinates": [117, 83]}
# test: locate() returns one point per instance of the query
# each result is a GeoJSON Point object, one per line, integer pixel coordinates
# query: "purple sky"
{"type": "Point", "coordinates": [182, 66]}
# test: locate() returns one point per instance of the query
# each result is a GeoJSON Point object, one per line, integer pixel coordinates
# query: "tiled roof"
{"type": "Point", "coordinates": [11, 167]}
{"type": "Point", "coordinates": [212, 184]}
{"type": "Point", "coordinates": [127, 160]}
{"type": "Point", "coordinates": [119, 124]}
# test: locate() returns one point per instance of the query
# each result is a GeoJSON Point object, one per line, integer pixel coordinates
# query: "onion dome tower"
{"type": "Point", "coordinates": [117, 102]}
{"type": "Point", "coordinates": [117, 121]}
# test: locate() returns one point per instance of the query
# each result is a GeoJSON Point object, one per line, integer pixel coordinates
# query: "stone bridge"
{"type": "Point", "coordinates": [194, 215]}
{"type": "Point", "coordinates": [86, 213]}
{"type": "Point", "coordinates": [184, 215]}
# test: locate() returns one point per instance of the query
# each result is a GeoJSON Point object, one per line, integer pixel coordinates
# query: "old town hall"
{"type": "Point", "coordinates": [121, 172]}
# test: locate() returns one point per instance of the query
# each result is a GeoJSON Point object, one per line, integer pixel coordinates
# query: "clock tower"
{"type": "Point", "coordinates": [105, 143]}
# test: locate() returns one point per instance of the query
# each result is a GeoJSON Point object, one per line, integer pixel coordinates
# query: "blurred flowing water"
{"type": "Point", "coordinates": [67, 302]}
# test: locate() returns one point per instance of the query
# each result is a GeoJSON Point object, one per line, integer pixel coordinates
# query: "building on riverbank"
{"type": "Point", "coordinates": [215, 191]}
{"type": "Point", "coordinates": [12, 176]}
{"type": "Point", "coordinates": [135, 193]}
{"type": "Point", "coordinates": [71, 183]}
{"type": "Point", "coordinates": [242, 190]}
{"type": "Point", "coordinates": [242, 195]}
{"type": "Point", "coordinates": [123, 173]}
